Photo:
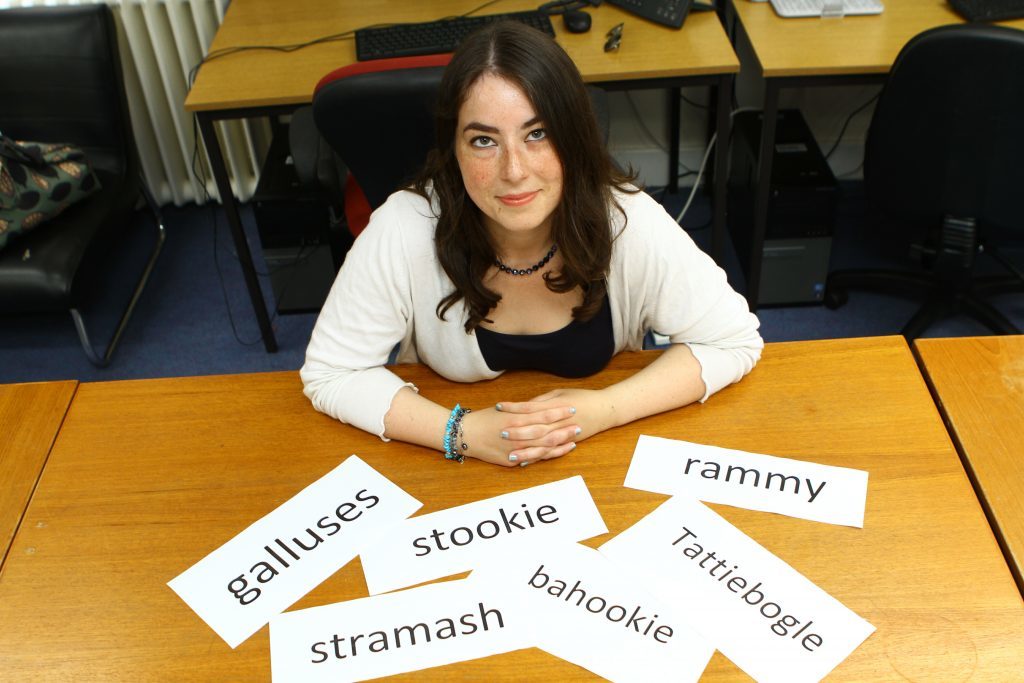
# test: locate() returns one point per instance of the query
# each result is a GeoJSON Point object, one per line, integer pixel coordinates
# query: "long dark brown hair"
{"type": "Point", "coordinates": [581, 225]}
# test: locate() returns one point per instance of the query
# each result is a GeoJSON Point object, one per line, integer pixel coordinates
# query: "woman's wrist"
{"type": "Point", "coordinates": [453, 444]}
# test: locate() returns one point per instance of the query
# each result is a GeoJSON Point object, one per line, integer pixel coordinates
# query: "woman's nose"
{"type": "Point", "coordinates": [513, 167]}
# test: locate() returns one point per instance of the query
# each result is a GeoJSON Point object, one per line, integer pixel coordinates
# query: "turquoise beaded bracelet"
{"type": "Point", "coordinates": [453, 435]}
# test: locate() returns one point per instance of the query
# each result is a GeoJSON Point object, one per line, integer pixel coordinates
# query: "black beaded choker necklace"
{"type": "Point", "coordinates": [526, 271]}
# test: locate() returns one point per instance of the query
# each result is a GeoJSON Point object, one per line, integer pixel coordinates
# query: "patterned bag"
{"type": "Point", "coordinates": [38, 181]}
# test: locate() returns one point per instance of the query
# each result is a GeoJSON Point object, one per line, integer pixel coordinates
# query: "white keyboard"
{"type": "Point", "coordinates": [825, 8]}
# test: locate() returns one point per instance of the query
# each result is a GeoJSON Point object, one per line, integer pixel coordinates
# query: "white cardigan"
{"type": "Point", "coordinates": [391, 282]}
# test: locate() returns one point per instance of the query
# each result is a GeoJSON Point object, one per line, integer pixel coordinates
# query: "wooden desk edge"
{"type": "Point", "coordinates": [1014, 562]}
{"type": "Point", "coordinates": [70, 388]}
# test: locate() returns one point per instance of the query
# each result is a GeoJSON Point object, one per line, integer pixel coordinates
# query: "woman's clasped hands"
{"type": "Point", "coordinates": [547, 426]}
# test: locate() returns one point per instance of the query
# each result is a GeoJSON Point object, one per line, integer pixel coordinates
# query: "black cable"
{"type": "Point", "coordinates": [842, 131]}
{"type": "Point", "coordinates": [690, 102]}
{"type": "Point", "coordinates": [477, 9]}
{"type": "Point", "coordinates": [1005, 262]}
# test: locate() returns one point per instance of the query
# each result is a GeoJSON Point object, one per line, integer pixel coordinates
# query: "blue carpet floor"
{"type": "Point", "coordinates": [195, 319]}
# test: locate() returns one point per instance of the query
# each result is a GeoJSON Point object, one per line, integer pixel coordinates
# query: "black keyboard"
{"type": "Point", "coordinates": [434, 37]}
{"type": "Point", "coordinates": [988, 10]}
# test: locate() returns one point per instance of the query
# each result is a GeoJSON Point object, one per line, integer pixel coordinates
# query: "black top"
{"type": "Point", "coordinates": [576, 350]}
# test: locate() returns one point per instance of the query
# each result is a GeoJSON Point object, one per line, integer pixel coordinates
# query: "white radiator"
{"type": "Point", "coordinates": [161, 40]}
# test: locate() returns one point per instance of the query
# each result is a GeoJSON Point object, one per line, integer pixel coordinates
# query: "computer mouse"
{"type": "Point", "coordinates": [576, 21]}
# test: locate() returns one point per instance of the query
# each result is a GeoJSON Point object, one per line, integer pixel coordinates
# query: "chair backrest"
{"type": "Point", "coordinates": [61, 81]}
{"type": "Point", "coordinates": [947, 135]}
{"type": "Point", "coordinates": [378, 117]}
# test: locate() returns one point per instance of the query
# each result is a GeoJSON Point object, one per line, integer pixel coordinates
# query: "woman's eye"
{"type": "Point", "coordinates": [482, 141]}
{"type": "Point", "coordinates": [538, 134]}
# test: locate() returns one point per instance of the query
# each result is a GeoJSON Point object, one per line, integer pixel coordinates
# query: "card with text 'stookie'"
{"type": "Point", "coordinates": [461, 538]}
{"type": "Point", "coordinates": [238, 587]}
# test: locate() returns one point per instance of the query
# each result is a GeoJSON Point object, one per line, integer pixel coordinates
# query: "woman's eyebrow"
{"type": "Point", "coordinates": [484, 128]}
{"type": "Point", "coordinates": [474, 125]}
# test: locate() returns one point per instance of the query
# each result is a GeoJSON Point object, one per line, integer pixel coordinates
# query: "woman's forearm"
{"type": "Point", "coordinates": [671, 381]}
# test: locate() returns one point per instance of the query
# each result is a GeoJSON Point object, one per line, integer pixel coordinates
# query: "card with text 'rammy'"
{"type": "Point", "coordinates": [765, 616]}
{"type": "Point", "coordinates": [238, 587]}
{"type": "Point", "coordinates": [808, 490]}
{"type": "Point", "coordinates": [460, 538]}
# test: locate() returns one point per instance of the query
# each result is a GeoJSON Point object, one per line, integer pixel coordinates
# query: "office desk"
{"type": "Point", "coordinates": [147, 477]}
{"type": "Point", "coordinates": [978, 383]}
{"type": "Point", "coordinates": [30, 415]}
{"type": "Point", "coordinates": [263, 83]}
{"type": "Point", "coordinates": [795, 53]}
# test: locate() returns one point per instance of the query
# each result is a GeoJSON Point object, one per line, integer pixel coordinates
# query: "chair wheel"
{"type": "Point", "coordinates": [834, 298]}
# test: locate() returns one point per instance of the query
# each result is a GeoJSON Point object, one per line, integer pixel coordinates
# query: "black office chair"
{"type": "Point", "coordinates": [60, 79]}
{"type": "Point", "coordinates": [944, 164]}
{"type": "Point", "coordinates": [369, 112]}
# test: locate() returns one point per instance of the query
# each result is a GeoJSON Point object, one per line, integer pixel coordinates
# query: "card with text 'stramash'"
{"type": "Point", "coordinates": [808, 490]}
{"type": "Point", "coordinates": [457, 539]}
{"type": "Point", "coordinates": [765, 616]}
{"type": "Point", "coordinates": [408, 630]}
{"type": "Point", "coordinates": [584, 609]}
{"type": "Point", "coordinates": [238, 587]}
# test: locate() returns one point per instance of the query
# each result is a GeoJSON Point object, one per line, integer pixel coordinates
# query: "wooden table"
{"type": "Point", "coordinates": [30, 415]}
{"type": "Point", "coordinates": [147, 477]}
{"type": "Point", "coordinates": [264, 83]}
{"type": "Point", "coordinates": [810, 52]}
{"type": "Point", "coordinates": [978, 384]}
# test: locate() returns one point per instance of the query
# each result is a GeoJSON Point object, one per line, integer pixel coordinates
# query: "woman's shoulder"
{"type": "Point", "coordinates": [404, 216]}
{"type": "Point", "coordinates": [409, 206]}
{"type": "Point", "coordinates": [636, 215]}
{"type": "Point", "coordinates": [633, 199]}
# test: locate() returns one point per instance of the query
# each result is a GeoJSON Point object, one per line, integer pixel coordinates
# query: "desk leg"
{"type": "Point", "coordinates": [723, 127]}
{"type": "Point", "coordinates": [220, 177]}
{"type": "Point", "coordinates": [764, 177]}
{"type": "Point", "coordinates": [674, 114]}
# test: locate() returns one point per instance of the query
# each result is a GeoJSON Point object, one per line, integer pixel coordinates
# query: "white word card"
{"type": "Point", "coordinates": [455, 540]}
{"type": "Point", "coordinates": [807, 490]}
{"type": "Point", "coordinates": [765, 616]}
{"type": "Point", "coordinates": [263, 570]}
{"type": "Point", "coordinates": [419, 628]}
{"type": "Point", "coordinates": [586, 610]}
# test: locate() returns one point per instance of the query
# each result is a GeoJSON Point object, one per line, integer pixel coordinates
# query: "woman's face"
{"type": "Point", "coordinates": [509, 166]}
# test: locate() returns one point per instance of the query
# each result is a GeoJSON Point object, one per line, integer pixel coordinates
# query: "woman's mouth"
{"type": "Point", "coordinates": [517, 199]}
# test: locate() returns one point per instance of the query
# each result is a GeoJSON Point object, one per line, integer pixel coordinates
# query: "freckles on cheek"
{"type": "Point", "coordinates": [475, 175]}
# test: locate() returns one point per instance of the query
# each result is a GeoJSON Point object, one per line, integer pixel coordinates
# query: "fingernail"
{"type": "Point", "coordinates": [572, 411]}
{"type": "Point", "coordinates": [504, 435]}
{"type": "Point", "coordinates": [524, 464]}
{"type": "Point", "coordinates": [573, 446]}
{"type": "Point", "coordinates": [497, 407]}
{"type": "Point", "coordinates": [578, 431]}
{"type": "Point", "coordinates": [513, 457]}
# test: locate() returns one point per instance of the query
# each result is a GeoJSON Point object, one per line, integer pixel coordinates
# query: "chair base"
{"type": "Point", "coordinates": [941, 297]}
{"type": "Point", "coordinates": [102, 361]}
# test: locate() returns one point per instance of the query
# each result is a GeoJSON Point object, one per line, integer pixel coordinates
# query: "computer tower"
{"type": "Point", "coordinates": [295, 234]}
{"type": "Point", "coordinates": [801, 208]}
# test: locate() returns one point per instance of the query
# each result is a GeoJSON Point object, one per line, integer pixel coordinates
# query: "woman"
{"type": "Point", "coordinates": [520, 246]}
